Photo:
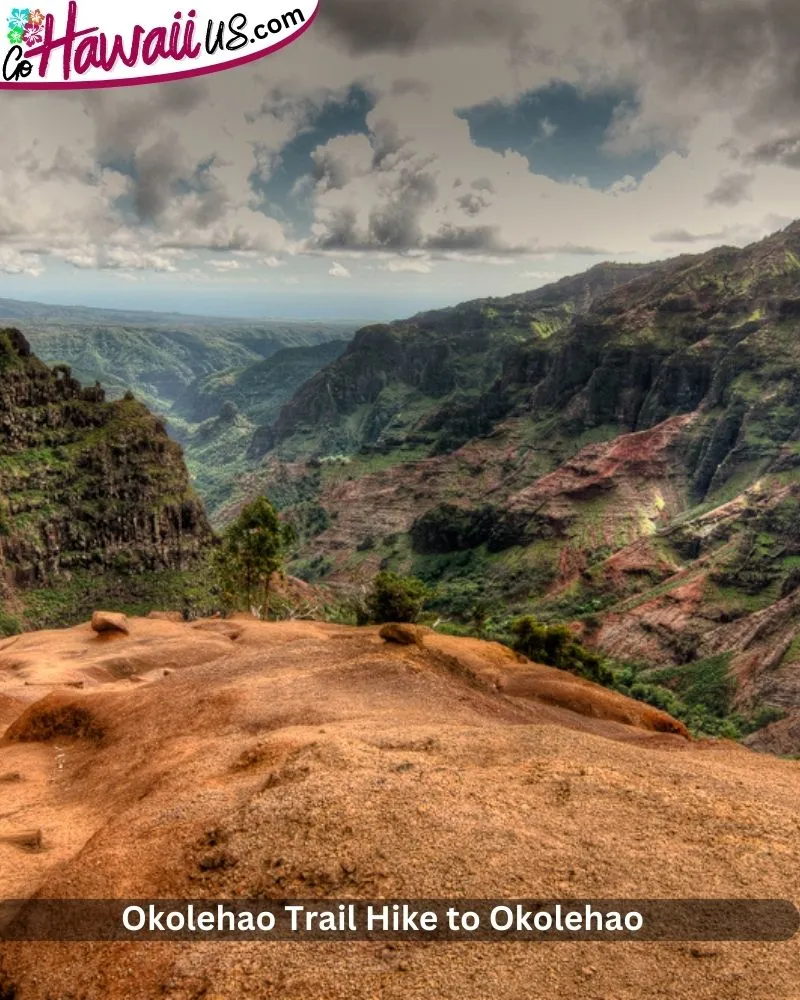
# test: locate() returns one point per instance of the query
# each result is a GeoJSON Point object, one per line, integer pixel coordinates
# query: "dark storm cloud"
{"type": "Point", "coordinates": [402, 26]}
{"type": "Point", "coordinates": [470, 240]}
{"type": "Point", "coordinates": [157, 170]}
{"type": "Point", "coordinates": [141, 137]}
{"type": "Point", "coordinates": [120, 126]}
{"type": "Point", "coordinates": [160, 174]}
{"type": "Point", "coordinates": [473, 203]}
{"type": "Point", "coordinates": [341, 231]}
{"type": "Point", "coordinates": [684, 236]}
{"type": "Point", "coordinates": [731, 190]}
{"type": "Point", "coordinates": [785, 151]}
{"type": "Point", "coordinates": [713, 41]}
{"type": "Point", "coordinates": [387, 144]}
{"type": "Point", "coordinates": [745, 51]}
{"type": "Point", "coordinates": [406, 86]}
{"type": "Point", "coordinates": [396, 225]}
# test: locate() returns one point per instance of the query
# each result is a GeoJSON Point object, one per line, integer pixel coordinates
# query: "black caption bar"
{"type": "Point", "coordinates": [399, 920]}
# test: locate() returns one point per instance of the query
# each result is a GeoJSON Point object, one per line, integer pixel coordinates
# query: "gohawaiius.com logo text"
{"type": "Point", "coordinates": [91, 43]}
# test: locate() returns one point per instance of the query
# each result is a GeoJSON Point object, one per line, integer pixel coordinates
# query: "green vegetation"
{"type": "Point", "coordinates": [700, 694]}
{"type": "Point", "coordinates": [556, 646]}
{"type": "Point", "coordinates": [90, 489]}
{"type": "Point", "coordinates": [9, 624]}
{"type": "Point", "coordinates": [67, 602]}
{"type": "Point", "coordinates": [699, 518]}
{"type": "Point", "coordinates": [188, 369]}
{"type": "Point", "coordinates": [251, 552]}
{"type": "Point", "coordinates": [429, 381]}
{"type": "Point", "coordinates": [394, 598]}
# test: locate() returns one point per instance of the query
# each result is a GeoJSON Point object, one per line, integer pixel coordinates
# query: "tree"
{"type": "Point", "coordinates": [394, 598]}
{"type": "Point", "coordinates": [252, 550]}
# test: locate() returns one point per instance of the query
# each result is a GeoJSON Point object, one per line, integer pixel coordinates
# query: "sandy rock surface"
{"type": "Point", "coordinates": [302, 759]}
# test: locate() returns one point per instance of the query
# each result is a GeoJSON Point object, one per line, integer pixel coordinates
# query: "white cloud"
{"type": "Point", "coordinates": [413, 265]}
{"type": "Point", "coordinates": [548, 128]}
{"type": "Point", "coordinates": [225, 265]}
{"type": "Point", "coordinates": [12, 262]}
{"type": "Point", "coordinates": [140, 179]}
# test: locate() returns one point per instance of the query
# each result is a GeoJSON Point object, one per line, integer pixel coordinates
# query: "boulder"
{"type": "Point", "coordinates": [402, 633]}
{"type": "Point", "coordinates": [105, 622]}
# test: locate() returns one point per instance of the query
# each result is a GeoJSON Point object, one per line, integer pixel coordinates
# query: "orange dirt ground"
{"type": "Point", "coordinates": [302, 759]}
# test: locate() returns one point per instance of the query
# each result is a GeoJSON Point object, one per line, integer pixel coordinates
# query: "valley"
{"type": "Point", "coordinates": [186, 369]}
{"type": "Point", "coordinates": [613, 457]}
{"type": "Point", "coordinates": [616, 451]}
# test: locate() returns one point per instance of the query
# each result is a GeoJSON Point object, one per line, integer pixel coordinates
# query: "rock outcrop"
{"type": "Point", "coordinates": [86, 485]}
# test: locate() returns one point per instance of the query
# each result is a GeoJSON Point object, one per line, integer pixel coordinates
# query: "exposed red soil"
{"type": "Point", "coordinates": [325, 761]}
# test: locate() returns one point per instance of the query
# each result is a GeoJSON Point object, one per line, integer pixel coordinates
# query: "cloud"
{"type": "Point", "coordinates": [339, 271]}
{"type": "Point", "coordinates": [12, 262]}
{"type": "Point", "coordinates": [412, 265]}
{"type": "Point", "coordinates": [417, 182]}
{"type": "Point", "coordinates": [731, 190]}
{"type": "Point", "coordinates": [113, 258]}
{"type": "Point", "coordinates": [137, 178]}
{"type": "Point", "coordinates": [369, 26]}
{"type": "Point", "coordinates": [730, 235]}
{"type": "Point", "coordinates": [683, 236]}
{"type": "Point", "coordinates": [784, 150]}
{"type": "Point", "coordinates": [538, 276]}
{"type": "Point", "coordinates": [739, 54]}
{"type": "Point", "coordinates": [548, 128]}
{"type": "Point", "coordinates": [142, 179]}
{"type": "Point", "coordinates": [473, 203]}
{"type": "Point", "coordinates": [225, 265]}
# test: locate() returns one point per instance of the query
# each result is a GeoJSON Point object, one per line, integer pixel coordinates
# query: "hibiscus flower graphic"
{"type": "Point", "coordinates": [33, 34]}
{"type": "Point", "coordinates": [15, 36]}
{"type": "Point", "coordinates": [18, 19]}
{"type": "Point", "coordinates": [36, 17]}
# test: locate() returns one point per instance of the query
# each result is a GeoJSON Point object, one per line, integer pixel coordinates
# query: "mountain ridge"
{"type": "Point", "coordinates": [577, 475]}
{"type": "Point", "coordinates": [91, 491]}
{"type": "Point", "coordinates": [421, 362]}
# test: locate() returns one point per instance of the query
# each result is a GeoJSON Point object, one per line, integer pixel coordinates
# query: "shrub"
{"type": "Point", "coordinates": [394, 598]}
{"type": "Point", "coordinates": [9, 625]}
{"type": "Point", "coordinates": [448, 528]}
{"type": "Point", "coordinates": [313, 569]}
{"type": "Point", "coordinates": [556, 646]}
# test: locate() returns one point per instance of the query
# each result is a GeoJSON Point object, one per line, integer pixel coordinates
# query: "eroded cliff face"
{"type": "Point", "coordinates": [427, 381]}
{"type": "Point", "coordinates": [86, 484]}
{"type": "Point", "coordinates": [621, 454]}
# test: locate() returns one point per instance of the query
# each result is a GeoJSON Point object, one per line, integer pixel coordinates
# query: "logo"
{"type": "Point", "coordinates": [91, 43]}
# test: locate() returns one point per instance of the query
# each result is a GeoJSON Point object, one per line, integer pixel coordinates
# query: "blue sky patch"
{"type": "Point", "coordinates": [345, 117]}
{"type": "Point", "coordinates": [561, 131]}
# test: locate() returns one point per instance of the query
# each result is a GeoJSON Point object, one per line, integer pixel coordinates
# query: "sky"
{"type": "Point", "coordinates": [400, 156]}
